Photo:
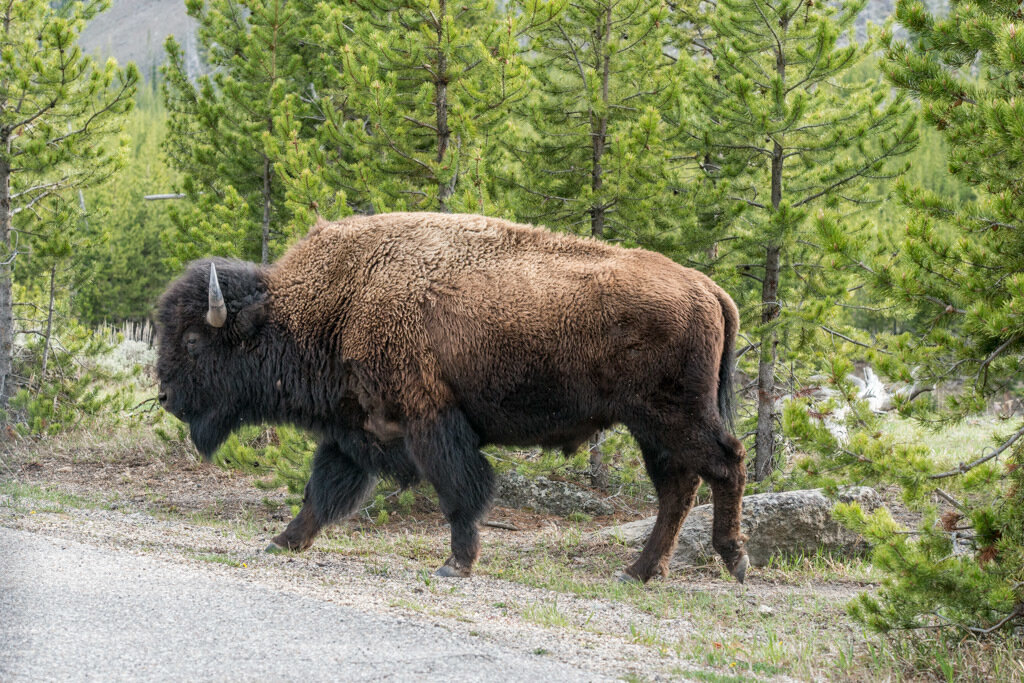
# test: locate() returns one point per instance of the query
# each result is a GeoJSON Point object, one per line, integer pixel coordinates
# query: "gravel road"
{"type": "Point", "coordinates": [129, 566]}
{"type": "Point", "coordinates": [77, 612]}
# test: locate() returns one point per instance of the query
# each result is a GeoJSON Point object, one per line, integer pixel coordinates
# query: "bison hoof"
{"type": "Point", "coordinates": [452, 571]}
{"type": "Point", "coordinates": [624, 577]}
{"type": "Point", "coordinates": [275, 549]}
{"type": "Point", "coordinates": [740, 570]}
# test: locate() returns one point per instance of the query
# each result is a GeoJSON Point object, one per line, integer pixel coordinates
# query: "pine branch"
{"type": "Point", "coordinates": [853, 341]}
{"type": "Point", "coordinates": [951, 500]}
{"type": "Point", "coordinates": [963, 468]}
{"type": "Point", "coordinates": [983, 369]}
{"type": "Point", "coordinates": [1018, 611]}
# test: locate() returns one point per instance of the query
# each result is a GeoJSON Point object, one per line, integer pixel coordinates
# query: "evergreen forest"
{"type": "Point", "coordinates": [856, 187]}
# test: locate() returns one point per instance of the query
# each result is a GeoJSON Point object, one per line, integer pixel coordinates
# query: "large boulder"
{"type": "Point", "coordinates": [545, 495]}
{"type": "Point", "coordinates": [791, 522]}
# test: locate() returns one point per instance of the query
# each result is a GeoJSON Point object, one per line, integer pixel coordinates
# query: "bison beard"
{"type": "Point", "coordinates": [407, 341]}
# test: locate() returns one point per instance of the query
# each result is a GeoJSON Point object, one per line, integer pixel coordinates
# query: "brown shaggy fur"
{"type": "Point", "coordinates": [459, 330]}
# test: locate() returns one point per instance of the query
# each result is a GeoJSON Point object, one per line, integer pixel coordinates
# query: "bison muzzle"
{"type": "Point", "coordinates": [404, 342]}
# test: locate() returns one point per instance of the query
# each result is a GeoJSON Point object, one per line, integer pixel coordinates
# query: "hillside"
{"type": "Point", "coordinates": [135, 30]}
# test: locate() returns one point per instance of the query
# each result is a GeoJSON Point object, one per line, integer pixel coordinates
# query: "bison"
{"type": "Point", "coordinates": [407, 341]}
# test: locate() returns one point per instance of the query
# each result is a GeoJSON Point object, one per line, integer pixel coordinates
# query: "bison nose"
{"type": "Point", "coordinates": [163, 397]}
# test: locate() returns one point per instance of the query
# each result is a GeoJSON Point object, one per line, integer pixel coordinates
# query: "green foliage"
{"type": "Point", "coordinates": [59, 112]}
{"type": "Point", "coordinates": [590, 151]}
{"type": "Point", "coordinates": [73, 382]}
{"type": "Point", "coordinates": [120, 269]}
{"type": "Point", "coordinates": [221, 131]}
{"type": "Point", "coordinates": [958, 266]}
{"type": "Point", "coordinates": [284, 453]}
{"type": "Point", "coordinates": [963, 568]}
{"type": "Point", "coordinates": [411, 97]}
{"type": "Point", "coordinates": [960, 567]}
{"type": "Point", "coordinates": [799, 152]}
{"type": "Point", "coordinates": [56, 104]}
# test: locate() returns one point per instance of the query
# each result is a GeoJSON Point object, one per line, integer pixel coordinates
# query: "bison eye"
{"type": "Point", "coordinates": [192, 340]}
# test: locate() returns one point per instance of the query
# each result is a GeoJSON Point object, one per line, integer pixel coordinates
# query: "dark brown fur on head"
{"type": "Point", "coordinates": [206, 378]}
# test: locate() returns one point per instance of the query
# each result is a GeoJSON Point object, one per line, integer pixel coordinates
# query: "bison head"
{"type": "Point", "coordinates": [211, 345]}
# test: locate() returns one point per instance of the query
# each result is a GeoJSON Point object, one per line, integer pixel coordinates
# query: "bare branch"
{"type": "Point", "coordinates": [952, 501]}
{"type": "Point", "coordinates": [980, 461]}
{"type": "Point", "coordinates": [853, 341]}
{"type": "Point", "coordinates": [1018, 611]}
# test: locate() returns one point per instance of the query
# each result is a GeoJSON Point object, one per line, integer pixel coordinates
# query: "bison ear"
{"type": "Point", "coordinates": [250, 319]}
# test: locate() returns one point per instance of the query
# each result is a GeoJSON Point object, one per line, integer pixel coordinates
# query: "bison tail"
{"type": "Point", "coordinates": [726, 394]}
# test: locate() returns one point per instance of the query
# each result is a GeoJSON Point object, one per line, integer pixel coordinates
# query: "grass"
{"type": "Point", "coordinates": [805, 635]}
{"type": "Point", "coordinates": [824, 565]}
{"type": "Point", "coordinates": [546, 614]}
{"type": "Point", "coordinates": [714, 677]}
{"type": "Point", "coordinates": [219, 558]}
{"type": "Point", "coordinates": [35, 498]}
{"type": "Point", "coordinates": [950, 443]}
{"type": "Point", "coordinates": [243, 526]}
{"type": "Point", "coordinates": [727, 632]}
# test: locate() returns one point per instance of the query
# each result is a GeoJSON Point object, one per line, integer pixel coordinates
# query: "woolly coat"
{"type": "Point", "coordinates": [537, 337]}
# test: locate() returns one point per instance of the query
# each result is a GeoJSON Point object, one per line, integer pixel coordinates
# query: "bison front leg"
{"type": "Point", "coordinates": [336, 487]}
{"type": "Point", "coordinates": [446, 449]}
{"type": "Point", "coordinates": [299, 533]}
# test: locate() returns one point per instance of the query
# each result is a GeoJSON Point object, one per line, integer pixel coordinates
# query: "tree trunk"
{"type": "Point", "coordinates": [764, 450]}
{"type": "Point", "coordinates": [708, 221]}
{"type": "Point", "coordinates": [265, 247]}
{"type": "Point", "coordinates": [444, 189]}
{"type": "Point", "coordinates": [49, 324]}
{"type": "Point", "coordinates": [6, 268]}
{"type": "Point", "coordinates": [599, 132]}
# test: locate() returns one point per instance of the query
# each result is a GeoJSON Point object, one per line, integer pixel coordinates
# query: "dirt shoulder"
{"type": "Point", "coordinates": [543, 590]}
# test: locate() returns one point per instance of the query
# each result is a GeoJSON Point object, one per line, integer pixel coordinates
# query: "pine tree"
{"type": "Point", "coordinates": [119, 269]}
{"type": "Point", "coordinates": [959, 267]}
{"type": "Point", "coordinates": [221, 133]}
{"type": "Point", "coordinates": [783, 136]}
{"type": "Point", "coordinates": [593, 154]}
{"type": "Point", "coordinates": [58, 112]}
{"type": "Point", "coordinates": [414, 91]}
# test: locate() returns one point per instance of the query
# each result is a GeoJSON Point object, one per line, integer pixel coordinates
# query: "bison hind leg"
{"type": "Point", "coordinates": [677, 457]}
{"type": "Point", "coordinates": [727, 477]}
{"type": "Point", "coordinates": [676, 486]}
{"type": "Point", "coordinates": [336, 487]}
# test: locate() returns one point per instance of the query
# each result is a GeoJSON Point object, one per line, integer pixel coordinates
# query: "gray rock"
{"type": "Point", "coordinates": [544, 495]}
{"type": "Point", "coordinates": [789, 522]}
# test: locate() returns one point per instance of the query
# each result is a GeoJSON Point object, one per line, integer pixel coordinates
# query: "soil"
{"type": "Point", "coordinates": [172, 506]}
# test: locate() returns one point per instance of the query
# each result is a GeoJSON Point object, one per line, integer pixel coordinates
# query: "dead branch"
{"type": "Point", "coordinates": [971, 465]}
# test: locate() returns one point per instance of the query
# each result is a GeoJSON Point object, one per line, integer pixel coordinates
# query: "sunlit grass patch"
{"type": "Point", "coordinates": [546, 614]}
{"type": "Point", "coordinates": [220, 558]}
{"type": "Point", "coordinates": [48, 499]}
{"type": "Point", "coordinates": [950, 443]}
{"type": "Point", "coordinates": [822, 565]}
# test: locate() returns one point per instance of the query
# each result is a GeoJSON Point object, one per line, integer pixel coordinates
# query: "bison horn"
{"type": "Point", "coordinates": [218, 312]}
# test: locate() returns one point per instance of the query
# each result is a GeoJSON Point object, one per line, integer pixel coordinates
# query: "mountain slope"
{"type": "Point", "coordinates": [135, 30]}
